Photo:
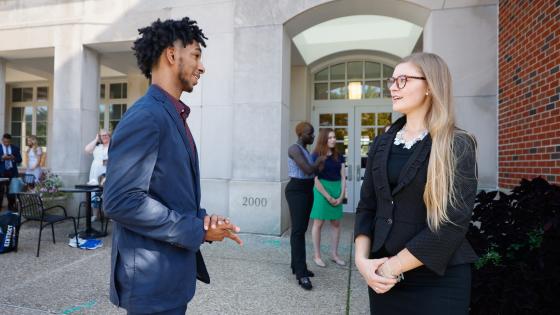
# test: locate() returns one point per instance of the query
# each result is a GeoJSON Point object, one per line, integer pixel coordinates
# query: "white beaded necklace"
{"type": "Point", "coordinates": [399, 139]}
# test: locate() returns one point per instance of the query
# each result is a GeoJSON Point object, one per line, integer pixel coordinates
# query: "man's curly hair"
{"type": "Point", "coordinates": [160, 35]}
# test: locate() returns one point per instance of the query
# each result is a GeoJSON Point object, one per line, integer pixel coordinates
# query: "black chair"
{"type": "Point", "coordinates": [31, 208]}
{"type": "Point", "coordinates": [28, 180]}
{"type": "Point", "coordinates": [102, 218]}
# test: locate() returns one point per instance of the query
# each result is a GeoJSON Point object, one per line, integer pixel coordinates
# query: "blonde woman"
{"type": "Point", "coordinates": [417, 199]}
{"type": "Point", "coordinates": [33, 157]}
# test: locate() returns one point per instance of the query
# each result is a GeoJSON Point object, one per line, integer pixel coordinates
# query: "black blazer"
{"type": "Point", "coordinates": [396, 219]}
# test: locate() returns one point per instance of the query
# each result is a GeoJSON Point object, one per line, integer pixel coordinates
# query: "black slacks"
{"type": "Point", "coordinates": [4, 190]}
{"type": "Point", "coordinates": [299, 194]}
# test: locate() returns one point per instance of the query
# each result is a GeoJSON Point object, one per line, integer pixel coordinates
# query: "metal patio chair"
{"type": "Point", "coordinates": [31, 209]}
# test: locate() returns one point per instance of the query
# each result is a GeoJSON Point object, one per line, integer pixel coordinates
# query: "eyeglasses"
{"type": "Point", "coordinates": [104, 135]}
{"type": "Point", "coordinates": [401, 80]}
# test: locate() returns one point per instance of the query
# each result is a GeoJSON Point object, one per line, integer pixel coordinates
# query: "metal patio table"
{"type": "Point", "coordinates": [89, 232]}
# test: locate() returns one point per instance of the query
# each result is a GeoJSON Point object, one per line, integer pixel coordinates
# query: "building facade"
{"type": "Point", "coordinates": [529, 91]}
{"type": "Point", "coordinates": [66, 69]}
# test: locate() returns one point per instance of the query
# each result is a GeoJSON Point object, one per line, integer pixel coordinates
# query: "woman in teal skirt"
{"type": "Point", "coordinates": [328, 194]}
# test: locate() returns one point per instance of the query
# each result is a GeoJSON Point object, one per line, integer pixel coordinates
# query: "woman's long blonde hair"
{"type": "Point", "coordinates": [34, 144]}
{"type": "Point", "coordinates": [440, 192]}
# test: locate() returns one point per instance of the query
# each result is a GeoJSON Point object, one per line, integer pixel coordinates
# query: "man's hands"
{"type": "Point", "coordinates": [218, 227]}
{"type": "Point", "coordinates": [368, 269]}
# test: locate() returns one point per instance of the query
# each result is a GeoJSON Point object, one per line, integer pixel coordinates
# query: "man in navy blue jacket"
{"type": "Point", "coordinates": [152, 189]}
{"type": "Point", "coordinates": [10, 158]}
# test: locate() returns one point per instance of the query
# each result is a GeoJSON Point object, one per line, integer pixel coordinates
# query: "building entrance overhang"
{"type": "Point", "coordinates": [390, 27]}
{"type": "Point", "coordinates": [117, 58]}
{"type": "Point", "coordinates": [359, 32]}
{"type": "Point", "coordinates": [25, 65]}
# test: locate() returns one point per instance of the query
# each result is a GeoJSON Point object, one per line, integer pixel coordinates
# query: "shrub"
{"type": "Point", "coordinates": [517, 237]}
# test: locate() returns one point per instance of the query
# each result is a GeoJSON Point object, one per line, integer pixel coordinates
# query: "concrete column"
{"type": "Point", "coordinates": [217, 145]}
{"type": "Point", "coordinates": [137, 87]}
{"type": "Point", "coordinates": [466, 38]}
{"type": "Point", "coordinates": [260, 128]}
{"type": "Point", "coordinates": [2, 95]}
{"type": "Point", "coordinates": [300, 110]}
{"type": "Point", "coordinates": [75, 106]}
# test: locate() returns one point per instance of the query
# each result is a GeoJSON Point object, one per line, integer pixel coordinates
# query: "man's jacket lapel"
{"type": "Point", "coordinates": [180, 125]}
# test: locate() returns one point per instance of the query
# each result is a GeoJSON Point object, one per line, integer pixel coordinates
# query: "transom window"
{"type": "Point", "coordinates": [352, 80]}
{"type": "Point", "coordinates": [113, 102]}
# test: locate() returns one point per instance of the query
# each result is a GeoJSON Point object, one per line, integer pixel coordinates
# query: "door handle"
{"type": "Point", "coordinates": [358, 173]}
{"type": "Point", "coordinates": [349, 178]}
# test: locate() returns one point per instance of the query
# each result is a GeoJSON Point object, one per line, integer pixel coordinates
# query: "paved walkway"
{"type": "Point", "coordinates": [253, 279]}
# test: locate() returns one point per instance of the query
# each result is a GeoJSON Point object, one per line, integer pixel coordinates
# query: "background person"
{"type": "Point", "coordinates": [299, 194]}
{"type": "Point", "coordinates": [328, 194]}
{"type": "Point", "coordinates": [10, 158]}
{"type": "Point", "coordinates": [33, 157]}
{"type": "Point", "coordinates": [417, 199]}
{"type": "Point", "coordinates": [99, 147]}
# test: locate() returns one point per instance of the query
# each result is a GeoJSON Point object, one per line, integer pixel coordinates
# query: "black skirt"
{"type": "Point", "coordinates": [424, 292]}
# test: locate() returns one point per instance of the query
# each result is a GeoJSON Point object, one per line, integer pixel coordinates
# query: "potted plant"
{"type": "Point", "coordinates": [48, 188]}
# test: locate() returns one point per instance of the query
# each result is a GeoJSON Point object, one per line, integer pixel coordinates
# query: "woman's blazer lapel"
{"type": "Point", "coordinates": [379, 168]}
{"type": "Point", "coordinates": [411, 167]}
{"type": "Point", "coordinates": [413, 164]}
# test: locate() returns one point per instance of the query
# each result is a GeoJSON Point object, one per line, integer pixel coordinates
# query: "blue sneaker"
{"type": "Point", "coordinates": [92, 244]}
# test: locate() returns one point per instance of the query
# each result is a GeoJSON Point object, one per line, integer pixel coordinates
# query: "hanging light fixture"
{"type": "Point", "coordinates": [355, 90]}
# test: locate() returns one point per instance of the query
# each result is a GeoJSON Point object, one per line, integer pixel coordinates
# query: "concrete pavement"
{"type": "Point", "coordinates": [253, 279]}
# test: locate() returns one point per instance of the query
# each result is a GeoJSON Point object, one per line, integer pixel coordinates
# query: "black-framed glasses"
{"type": "Point", "coordinates": [401, 80]}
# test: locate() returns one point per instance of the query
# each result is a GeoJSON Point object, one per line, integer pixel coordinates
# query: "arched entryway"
{"type": "Point", "coordinates": [273, 85]}
{"type": "Point", "coordinates": [339, 71]}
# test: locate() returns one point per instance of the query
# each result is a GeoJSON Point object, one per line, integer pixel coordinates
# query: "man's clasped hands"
{"type": "Point", "coordinates": [218, 227]}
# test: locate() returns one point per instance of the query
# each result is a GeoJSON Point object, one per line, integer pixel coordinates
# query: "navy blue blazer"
{"type": "Point", "coordinates": [152, 193]}
{"type": "Point", "coordinates": [17, 154]}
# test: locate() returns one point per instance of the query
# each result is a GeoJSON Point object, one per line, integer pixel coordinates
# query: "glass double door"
{"type": "Point", "coordinates": [354, 127]}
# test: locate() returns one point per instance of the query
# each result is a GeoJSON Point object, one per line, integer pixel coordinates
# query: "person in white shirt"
{"type": "Point", "coordinates": [99, 147]}
{"type": "Point", "coordinates": [33, 157]}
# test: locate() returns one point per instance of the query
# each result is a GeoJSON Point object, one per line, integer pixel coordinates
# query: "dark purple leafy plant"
{"type": "Point", "coordinates": [517, 237]}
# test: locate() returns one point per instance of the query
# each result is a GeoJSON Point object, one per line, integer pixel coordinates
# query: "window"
{"type": "Point", "coordinates": [117, 90]}
{"type": "Point", "coordinates": [352, 80]}
{"type": "Point", "coordinates": [29, 114]}
{"type": "Point", "coordinates": [22, 94]}
{"type": "Point", "coordinates": [112, 104]}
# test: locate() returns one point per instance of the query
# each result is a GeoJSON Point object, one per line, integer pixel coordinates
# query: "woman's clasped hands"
{"type": "Point", "coordinates": [369, 268]}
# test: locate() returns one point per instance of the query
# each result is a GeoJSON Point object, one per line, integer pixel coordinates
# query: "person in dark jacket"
{"type": "Point", "coordinates": [417, 199]}
{"type": "Point", "coordinates": [152, 191]}
{"type": "Point", "coordinates": [11, 157]}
